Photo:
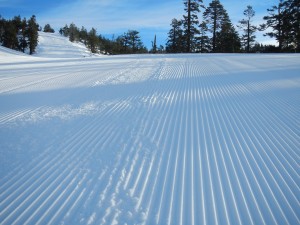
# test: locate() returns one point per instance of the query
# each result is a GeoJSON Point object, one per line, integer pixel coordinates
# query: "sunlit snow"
{"type": "Point", "coordinates": [148, 139]}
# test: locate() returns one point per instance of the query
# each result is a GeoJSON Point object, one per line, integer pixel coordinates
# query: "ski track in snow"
{"type": "Point", "coordinates": [150, 139]}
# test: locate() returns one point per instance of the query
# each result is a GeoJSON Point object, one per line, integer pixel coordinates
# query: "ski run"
{"type": "Point", "coordinates": [150, 139]}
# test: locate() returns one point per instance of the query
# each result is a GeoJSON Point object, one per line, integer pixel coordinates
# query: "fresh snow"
{"type": "Point", "coordinates": [150, 139]}
{"type": "Point", "coordinates": [53, 45]}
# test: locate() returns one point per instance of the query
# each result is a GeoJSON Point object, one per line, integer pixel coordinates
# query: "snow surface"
{"type": "Point", "coordinates": [53, 45]}
{"type": "Point", "coordinates": [150, 139]}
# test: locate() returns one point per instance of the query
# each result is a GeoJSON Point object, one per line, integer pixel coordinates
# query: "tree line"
{"type": "Point", "coordinates": [212, 33]}
{"type": "Point", "coordinates": [22, 35]}
{"type": "Point", "coordinates": [19, 34]}
{"type": "Point", "coordinates": [284, 20]}
{"type": "Point", "coordinates": [128, 43]}
{"type": "Point", "coordinates": [216, 33]}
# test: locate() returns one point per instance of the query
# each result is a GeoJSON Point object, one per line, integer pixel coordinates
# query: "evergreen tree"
{"type": "Point", "coordinates": [20, 27]}
{"type": "Point", "coordinates": [73, 33]}
{"type": "Point", "coordinates": [120, 45]}
{"type": "Point", "coordinates": [23, 44]}
{"type": "Point", "coordinates": [13, 33]}
{"type": "Point", "coordinates": [279, 20]}
{"type": "Point", "coordinates": [227, 39]}
{"type": "Point", "coordinates": [130, 43]}
{"type": "Point", "coordinates": [2, 28]}
{"type": "Point", "coordinates": [48, 29]}
{"type": "Point", "coordinates": [190, 24]}
{"type": "Point", "coordinates": [257, 48]}
{"type": "Point", "coordinates": [9, 39]}
{"type": "Point", "coordinates": [32, 34]}
{"type": "Point", "coordinates": [248, 38]}
{"type": "Point", "coordinates": [161, 49]}
{"type": "Point", "coordinates": [292, 13]}
{"type": "Point", "coordinates": [93, 40]}
{"type": "Point", "coordinates": [83, 35]}
{"type": "Point", "coordinates": [203, 39]}
{"type": "Point", "coordinates": [124, 42]}
{"type": "Point", "coordinates": [108, 46]}
{"type": "Point", "coordinates": [65, 31]}
{"type": "Point", "coordinates": [17, 23]}
{"type": "Point", "coordinates": [154, 46]}
{"type": "Point", "coordinates": [214, 16]}
{"type": "Point", "coordinates": [134, 41]}
{"type": "Point", "coordinates": [175, 37]}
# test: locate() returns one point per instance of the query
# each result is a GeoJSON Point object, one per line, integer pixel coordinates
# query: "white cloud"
{"type": "Point", "coordinates": [110, 16]}
{"type": "Point", "coordinates": [117, 16]}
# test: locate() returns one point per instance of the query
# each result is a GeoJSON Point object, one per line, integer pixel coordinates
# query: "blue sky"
{"type": "Point", "coordinates": [110, 17]}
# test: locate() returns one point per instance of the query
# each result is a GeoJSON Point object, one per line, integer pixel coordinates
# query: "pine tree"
{"type": "Point", "coordinates": [13, 33]}
{"type": "Point", "coordinates": [130, 43]}
{"type": "Point", "coordinates": [119, 45]}
{"type": "Point", "coordinates": [17, 23]}
{"type": "Point", "coordinates": [10, 39]}
{"type": "Point", "coordinates": [161, 49]}
{"type": "Point", "coordinates": [134, 40]}
{"type": "Point", "coordinates": [292, 13]}
{"type": "Point", "coordinates": [65, 31]}
{"type": "Point", "coordinates": [48, 29]}
{"type": "Point", "coordinates": [275, 20]}
{"type": "Point", "coordinates": [154, 46]}
{"type": "Point", "coordinates": [214, 16]}
{"type": "Point", "coordinates": [32, 34]}
{"type": "Point", "coordinates": [190, 24]}
{"type": "Point", "coordinates": [20, 32]}
{"type": "Point", "coordinates": [2, 28]}
{"type": "Point", "coordinates": [93, 40]}
{"type": "Point", "coordinates": [107, 46]}
{"type": "Point", "coordinates": [248, 38]}
{"type": "Point", "coordinates": [203, 39]}
{"type": "Point", "coordinates": [175, 37]}
{"type": "Point", "coordinates": [23, 39]}
{"type": "Point", "coordinates": [83, 35]}
{"type": "Point", "coordinates": [227, 39]}
{"type": "Point", "coordinates": [73, 33]}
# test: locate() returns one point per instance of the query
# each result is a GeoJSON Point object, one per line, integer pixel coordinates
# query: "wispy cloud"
{"type": "Point", "coordinates": [115, 17]}
{"type": "Point", "coordinates": [112, 15]}
{"type": "Point", "coordinates": [148, 16]}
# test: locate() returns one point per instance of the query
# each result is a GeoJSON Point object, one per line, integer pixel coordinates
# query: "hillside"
{"type": "Point", "coordinates": [53, 45]}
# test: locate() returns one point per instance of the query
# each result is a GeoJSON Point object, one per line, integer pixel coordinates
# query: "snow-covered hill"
{"type": "Point", "coordinates": [53, 45]}
{"type": "Point", "coordinates": [6, 52]}
{"type": "Point", "coordinates": [149, 139]}
{"type": "Point", "coordinates": [50, 45]}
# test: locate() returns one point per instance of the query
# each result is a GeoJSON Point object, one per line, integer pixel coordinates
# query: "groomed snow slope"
{"type": "Point", "coordinates": [53, 45]}
{"type": "Point", "coordinates": [150, 139]}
